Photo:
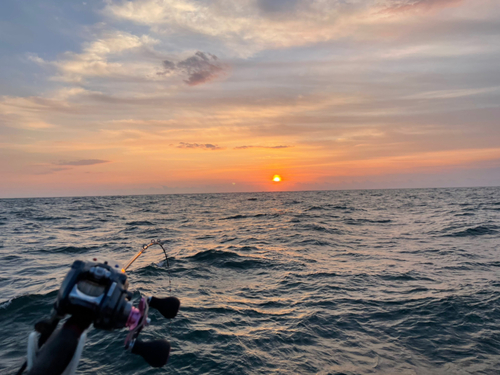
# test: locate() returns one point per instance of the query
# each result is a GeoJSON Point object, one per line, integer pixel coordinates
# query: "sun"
{"type": "Point", "coordinates": [277, 178]}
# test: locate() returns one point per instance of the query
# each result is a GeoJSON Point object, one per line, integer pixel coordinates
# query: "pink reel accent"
{"type": "Point", "coordinates": [136, 314]}
{"type": "Point", "coordinates": [137, 319]}
{"type": "Point", "coordinates": [134, 318]}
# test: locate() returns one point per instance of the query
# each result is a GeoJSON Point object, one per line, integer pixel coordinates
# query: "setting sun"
{"type": "Point", "coordinates": [277, 178]}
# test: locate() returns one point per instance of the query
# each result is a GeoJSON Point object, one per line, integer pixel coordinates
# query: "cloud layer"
{"type": "Point", "coordinates": [203, 146]}
{"type": "Point", "coordinates": [83, 162]}
{"type": "Point", "coordinates": [268, 147]}
{"type": "Point", "coordinates": [404, 6]}
{"type": "Point", "coordinates": [249, 26]}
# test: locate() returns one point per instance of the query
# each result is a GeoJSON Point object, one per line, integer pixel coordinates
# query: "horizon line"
{"type": "Point", "coordinates": [253, 192]}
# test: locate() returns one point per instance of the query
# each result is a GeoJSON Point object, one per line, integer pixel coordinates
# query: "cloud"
{"type": "Point", "coordinates": [121, 56]}
{"type": "Point", "coordinates": [403, 6]}
{"type": "Point", "coordinates": [274, 147]}
{"type": "Point", "coordinates": [82, 162]}
{"type": "Point", "coordinates": [199, 68]}
{"type": "Point", "coordinates": [247, 26]}
{"type": "Point", "coordinates": [100, 58]}
{"type": "Point", "coordinates": [250, 26]}
{"type": "Point", "coordinates": [168, 65]}
{"type": "Point", "coordinates": [203, 146]}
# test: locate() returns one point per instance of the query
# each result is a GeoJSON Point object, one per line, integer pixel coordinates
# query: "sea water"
{"type": "Point", "coordinates": [327, 282]}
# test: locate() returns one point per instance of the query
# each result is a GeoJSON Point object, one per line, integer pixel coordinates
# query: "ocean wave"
{"type": "Point", "coordinates": [156, 269]}
{"type": "Point", "coordinates": [206, 237]}
{"type": "Point", "coordinates": [81, 228]}
{"type": "Point", "coordinates": [479, 230]}
{"type": "Point", "coordinates": [351, 221]}
{"type": "Point", "coordinates": [140, 223]}
{"type": "Point", "coordinates": [331, 207]}
{"type": "Point", "coordinates": [50, 218]}
{"type": "Point", "coordinates": [100, 220]}
{"type": "Point", "coordinates": [28, 303]}
{"type": "Point", "coordinates": [70, 249]}
{"type": "Point", "coordinates": [319, 228]}
{"type": "Point", "coordinates": [210, 255]}
{"type": "Point", "coordinates": [229, 259]}
{"type": "Point", "coordinates": [313, 241]}
{"type": "Point", "coordinates": [247, 248]}
{"type": "Point", "coordinates": [5, 304]}
{"type": "Point", "coordinates": [320, 275]}
{"type": "Point", "coordinates": [408, 276]}
{"type": "Point", "coordinates": [235, 217]}
{"type": "Point", "coordinates": [247, 264]}
{"type": "Point", "coordinates": [316, 208]}
{"type": "Point", "coordinates": [275, 214]}
{"type": "Point", "coordinates": [226, 239]}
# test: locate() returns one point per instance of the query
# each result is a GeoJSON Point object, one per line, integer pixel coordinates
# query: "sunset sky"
{"type": "Point", "coordinates": [188, 96]}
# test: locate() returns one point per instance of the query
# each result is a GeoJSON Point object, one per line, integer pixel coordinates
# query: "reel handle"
{"type": "Point", "coordinates": [168, 307]}
{"type": "Point", "coordinates": [155, 352]}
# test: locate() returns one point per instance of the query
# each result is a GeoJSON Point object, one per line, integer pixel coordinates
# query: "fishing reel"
{"type": "Point", "coordinates": [96, 293]}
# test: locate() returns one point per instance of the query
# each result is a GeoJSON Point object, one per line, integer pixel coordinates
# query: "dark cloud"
{"type": "Point", "coordinates": [168, 65]}
{"type": "Point", "coordinates": [83, 162]}
{"type": "Point", "coordinates": [275, 147]}
{"type": "Point", "coordinates": [199, 68]}
{"type": "Point", "coordinates": [204, 146]}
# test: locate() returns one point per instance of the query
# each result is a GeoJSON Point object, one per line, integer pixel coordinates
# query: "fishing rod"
{"type": "Point", "coordinates": [144, 248]}
{"type": "Point", "coordinates": [95, 293]}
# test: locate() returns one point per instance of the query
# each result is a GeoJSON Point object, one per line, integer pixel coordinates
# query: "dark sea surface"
{"type": "Point", "coordinates": [331, 282]}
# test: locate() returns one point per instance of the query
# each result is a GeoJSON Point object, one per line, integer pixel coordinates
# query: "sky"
{"type": "Point", "coordinates": [192, 96]}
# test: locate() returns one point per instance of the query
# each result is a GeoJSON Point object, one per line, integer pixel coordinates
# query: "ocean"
{"type": "Point", "coordinates": [319, 282]}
